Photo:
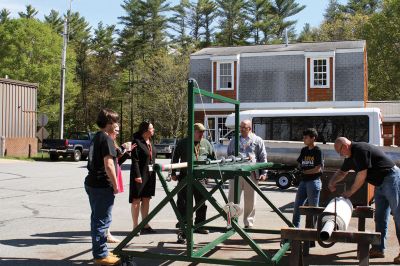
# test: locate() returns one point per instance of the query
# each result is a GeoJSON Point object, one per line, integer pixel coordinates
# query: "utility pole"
{"type": "Point", "coordinates": [63, 59]}
{"type": "Point", "coordinates": [63, 68]}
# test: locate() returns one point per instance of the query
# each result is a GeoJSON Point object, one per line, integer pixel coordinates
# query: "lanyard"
{"type": "Point", "coordinates": [197, 151]}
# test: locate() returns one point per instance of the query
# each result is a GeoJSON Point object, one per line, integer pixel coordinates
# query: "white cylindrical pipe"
{"type": "Point", "coordinates": [327, 230]}
{"type": "Point", "coordinates": [344, 210]}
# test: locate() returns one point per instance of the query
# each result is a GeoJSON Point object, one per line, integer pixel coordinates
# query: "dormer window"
{"type": "Point", "coordinates": [319, 73]}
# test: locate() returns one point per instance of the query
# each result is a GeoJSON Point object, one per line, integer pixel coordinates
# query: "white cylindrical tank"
{"type": "Point", "coordinates": [343, 210]}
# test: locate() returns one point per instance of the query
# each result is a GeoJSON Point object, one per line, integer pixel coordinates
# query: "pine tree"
{"type": "Point", "coordinates": [30, 13]}
{"type": "Point", "coordinates": [333, 11]}
{"type": "Point", "coordinates": [284, 9]}
{"type": "Point", "coordinates": [308, 34]}
{"type": "Point", "coordinates": [179, 23]}
{"type": "Point", "coordinates": [4, 15]}
{"type": "Point", "coordinates": [233, 23]}
{"type": "Point", "coordinates": [260, 18]}
{"type": "Point", "coordinates": [209, 14]}
{"type": "Point", "coordinates": [365, 7]}
{"type": "Point", "coordinates": [195, 21]}
{"type": "Point", "coordinates": [55, 21]}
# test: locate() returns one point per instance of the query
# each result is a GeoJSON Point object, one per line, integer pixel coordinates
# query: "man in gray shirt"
{"type": "Point", "coordinates": [251, 146]}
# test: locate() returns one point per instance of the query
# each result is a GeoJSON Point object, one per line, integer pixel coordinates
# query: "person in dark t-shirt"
{"type": "Point", "coordinates": [101, 185]}
{"type": "Point", "coordinates": [372, 165]}
{"type": "Point", "coordinates": [310, 163]}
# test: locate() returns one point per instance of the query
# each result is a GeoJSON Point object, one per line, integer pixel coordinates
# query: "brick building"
{"type": "Point", "coordinates": [18, 103]}
{"type": "Point", "coordinates": [301, 75]}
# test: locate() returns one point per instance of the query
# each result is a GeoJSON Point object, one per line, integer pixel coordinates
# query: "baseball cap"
{"type": "Point", "coordinates": [199, 127]}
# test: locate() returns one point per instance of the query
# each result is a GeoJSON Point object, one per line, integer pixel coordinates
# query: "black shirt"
{"type": "Point", "coordinates": [309, 159]}
{"type": "Point", "coordinates": [101, 146]}
{"type": "Point", "coordinates": [368, 157]}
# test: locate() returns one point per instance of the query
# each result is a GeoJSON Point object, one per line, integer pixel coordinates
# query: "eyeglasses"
{"type": "Point", "coordinates": [245, 127]}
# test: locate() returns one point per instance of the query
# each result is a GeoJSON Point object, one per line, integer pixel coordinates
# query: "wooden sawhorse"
{"type": "Point", "coordinates": [308, 235]}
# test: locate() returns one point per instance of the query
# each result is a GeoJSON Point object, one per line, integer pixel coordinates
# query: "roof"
{"type": "Point", "coordinates": [17, 82]}
{"type": "Point", "coordinates": [390, 109]}
{"type": "Point", "coordinates": [306, 47]}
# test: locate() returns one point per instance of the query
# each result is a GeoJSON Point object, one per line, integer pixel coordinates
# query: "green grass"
{"type": "Point", "coordinates": [38, 157]}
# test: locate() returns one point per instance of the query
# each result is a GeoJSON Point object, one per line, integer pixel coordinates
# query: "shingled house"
{"type": "Point", "coordinates": [301, 75]}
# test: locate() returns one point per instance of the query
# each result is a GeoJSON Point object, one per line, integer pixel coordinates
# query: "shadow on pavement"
{"type": "Point", "coordinates": [38, 262]}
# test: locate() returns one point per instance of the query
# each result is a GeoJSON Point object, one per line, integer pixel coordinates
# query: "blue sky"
{"type": "Point", "coordinates": [108, 11]}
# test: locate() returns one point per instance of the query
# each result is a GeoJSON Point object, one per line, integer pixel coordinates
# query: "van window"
{"type": "Point", "coordinates": [355, 127]}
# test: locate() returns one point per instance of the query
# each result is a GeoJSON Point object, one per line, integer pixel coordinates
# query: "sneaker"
{"type": "Point", "coordinates": [248, 227]}
{"type": "Point", "coordinates": [397, 260]}
{"type": "Point", "coordinates": [109, 260]}
{"type": "Point", "coordinates": [202, 231]}
{"type": "Point", "coordinates": [374, 253]}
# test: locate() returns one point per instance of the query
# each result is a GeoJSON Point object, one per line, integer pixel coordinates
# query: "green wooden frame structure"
{"type": "Point", "coordinates": [196, 171]}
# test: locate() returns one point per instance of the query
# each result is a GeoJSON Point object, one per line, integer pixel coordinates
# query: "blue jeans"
{"type": "Point", "coordinates": [387, 197]}
{"type": "Point", "coordinates": [101, 202]}
{"type": "Point", "coordinates": [307, 190]}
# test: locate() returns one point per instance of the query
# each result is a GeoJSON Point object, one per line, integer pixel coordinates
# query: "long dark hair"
{"type": "Point", "coordinates": [143, 127]}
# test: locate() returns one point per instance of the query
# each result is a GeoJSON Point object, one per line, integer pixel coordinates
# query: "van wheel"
{"type": "Point", "coordinates": [284, 180]}
{"type": "Point", "coordinates": [77, 155]}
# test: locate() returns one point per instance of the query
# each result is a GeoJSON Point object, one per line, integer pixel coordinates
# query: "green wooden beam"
{"type": "Point", "coordinates": [173, 257]}
{"type": "Point", "coordinates": [216, 96]}
{"type": "Point", "coordinates": [210, 246]}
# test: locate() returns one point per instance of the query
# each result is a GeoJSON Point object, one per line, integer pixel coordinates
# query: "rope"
{"type": "Point", "coordinates": [207, 126]}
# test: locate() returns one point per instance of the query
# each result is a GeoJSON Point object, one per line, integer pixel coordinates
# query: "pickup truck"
{"type": "Point", "coordinates": [76, 145]}
{"type": "Point", "coordinates": [166, 147]}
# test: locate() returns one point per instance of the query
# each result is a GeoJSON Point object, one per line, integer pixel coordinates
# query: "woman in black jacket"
{"type": "Point", "coordinates": [142, 182]}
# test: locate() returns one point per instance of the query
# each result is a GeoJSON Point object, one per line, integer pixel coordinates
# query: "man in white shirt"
{"type": "Point", "coordinates": [251, 146]}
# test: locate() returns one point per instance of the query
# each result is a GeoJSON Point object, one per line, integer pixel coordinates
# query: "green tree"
{"type": "Point", "coordinates": [195, 21]}
{"type": "Point", "coordinates": [208, 14]}
{"type": "Point", "coordinates": [23, 57]}
{"type": "Point", "coordinates": [233, 26]}
{"type": "Point", "coordinates": [179, 23]}
{"type": "Point", "coordinates": [30, 12]}
{"type": "Point", "coordinates": [348, 27]}
{"type": "Point", "coordinates": [365, 7]}
{"type": "Point", "coordinates": [79, 41]}
{"type": "Point", "coordinates": [261, 19]}
{"type": "Point", "coordinates": [156, 23]}
{"type": "Point", "coordinates": [55, 21]}
{"type": "Point", "coordinates": [308, 34]}
{"type": "Point", "coordinates": [333, 11]}
{"type": "Point", "coordinates": [4, 15]}
{"type": "Point", "coordinates": [283, 10]}
{"type": "Point", "coordinates": [382, 32]}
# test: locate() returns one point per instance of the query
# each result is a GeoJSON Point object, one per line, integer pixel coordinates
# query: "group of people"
{"type": "Point", "coordinates": [104, 179]}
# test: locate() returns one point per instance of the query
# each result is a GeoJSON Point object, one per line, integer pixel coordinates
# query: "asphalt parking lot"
{"type": "Point", "coordinates": [44, 220]}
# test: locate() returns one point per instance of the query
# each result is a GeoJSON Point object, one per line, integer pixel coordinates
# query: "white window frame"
{"type": "Point", "coordinates": [312, 85]}
{"type": "Point", "coordinates": [218, 76]}
{"type": "Point", "coordinates": [216, 128]}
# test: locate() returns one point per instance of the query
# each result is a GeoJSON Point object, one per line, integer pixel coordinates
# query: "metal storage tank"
{"type": "Point", "coordinates": [18, 109]}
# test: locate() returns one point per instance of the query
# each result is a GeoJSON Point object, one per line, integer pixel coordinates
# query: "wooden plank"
{"type": "Point", "coordinates": [337, 236]}
{"type": "Point", "coordinates": [296, 255]}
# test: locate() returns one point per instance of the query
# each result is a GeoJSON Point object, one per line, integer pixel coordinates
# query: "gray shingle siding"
{"type": "Point", "coordinates": [281, 78]}
{"type": "Point", "coordinates": [272, 79]}
{"type": "Point", "coordinates": [200, 70]}
{"type": "Point", "coordinates": [349, 77]}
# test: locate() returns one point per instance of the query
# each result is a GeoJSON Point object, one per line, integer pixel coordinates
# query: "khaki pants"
{"type": "Point", "coordinates": [250, 198]}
